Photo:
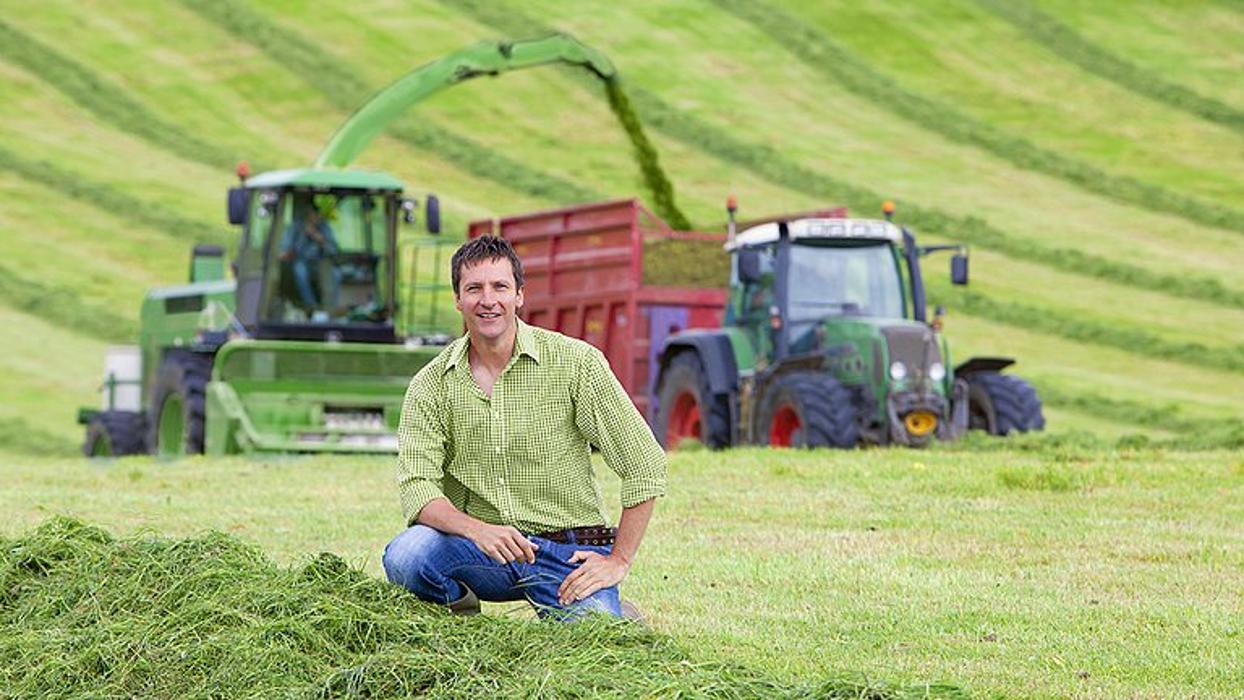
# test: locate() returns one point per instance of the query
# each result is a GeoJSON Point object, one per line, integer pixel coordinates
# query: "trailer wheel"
{"type": "Point", "coordinates": [687, 408]}
{"type": "Point", "coordinates": [1001, 404]}
{"type": "Point", "coordinates": [807, 409]}
{"type": "Point", "coordinates": [178, 400]}
{"type": "Point", "coordinates": [115, 434]}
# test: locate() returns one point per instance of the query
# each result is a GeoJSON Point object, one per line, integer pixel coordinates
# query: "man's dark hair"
{"type": "Point", "coordinates": [485, 248]}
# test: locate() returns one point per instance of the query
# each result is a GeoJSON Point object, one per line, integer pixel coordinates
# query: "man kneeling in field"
{"type": "Point", "coordinates": [494, 464]}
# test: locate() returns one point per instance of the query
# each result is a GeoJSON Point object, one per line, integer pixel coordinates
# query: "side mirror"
{"type": "Point", "coordinates": [238, 202]}
{"type": "Point", "coordinates": [749, 266]}
{"type": "Point", "coordinates": [959, 269]}
{"type": "Point", "coordinates": [432, 214]}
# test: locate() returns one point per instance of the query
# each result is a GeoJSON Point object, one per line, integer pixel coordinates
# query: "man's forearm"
{"type": "Point", "coordinates": [631, 529]}
{"type": "Point", "coordinates": [440, 514]}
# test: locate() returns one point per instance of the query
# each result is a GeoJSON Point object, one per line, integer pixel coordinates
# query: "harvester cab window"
{"type": "Point", "coordinates": [328, 259]}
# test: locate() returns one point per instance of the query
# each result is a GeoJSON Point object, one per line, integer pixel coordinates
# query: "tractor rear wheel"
{"type": "Point", "coordinates": [116, 434]}
{"type": "Point", "coordinates": [807, 409]}
{"type": "Point", "coordinates": [687, 408]}
{"type": "Point", "coordinates": [1001, 404]}
{"type": "Point", "coordinates": [178, 403]}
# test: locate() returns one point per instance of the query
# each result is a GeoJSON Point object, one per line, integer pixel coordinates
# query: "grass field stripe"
{"type": "Point", "coordinates": [1065, 325]}
{"type": "Point", "coordinates": [105, 100]}
{"type": "Point", "coordinates": [1064, 41]}
{"type": "Point", "coordinates": [336, 80]}
{"type": "Point", "coordinates": [820, 52]}
{"type": "Point", "coordinates": [18, 436]}
{"type": "Point", "coordinates": [111, 199]}
{"type": "Point", "coordinates": [65, 307]}
{"type": "Point", "coordinates": [1167, 416]}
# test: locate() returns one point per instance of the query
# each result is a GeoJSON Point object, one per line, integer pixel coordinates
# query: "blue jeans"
{"type": "Point", "coordinates": [329, 279]}
{"type": "Point", "coordinates": [436, 566]}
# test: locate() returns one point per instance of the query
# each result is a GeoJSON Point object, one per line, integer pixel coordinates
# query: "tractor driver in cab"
{"type": "Point", "coordinates": [308, 246]}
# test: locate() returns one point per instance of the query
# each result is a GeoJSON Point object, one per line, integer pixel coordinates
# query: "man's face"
{"type": "Point", "coordinates": [487, 298]}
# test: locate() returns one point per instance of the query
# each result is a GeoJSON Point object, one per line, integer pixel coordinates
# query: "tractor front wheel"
{"type": "Point", "coordinates": [687, 408]}
{"type": "Point", "coordinates": [116, 434]}
{"type": "Point", "coordinates": [807, 409]}
{"type": "Point", "coordinates": [178, 401]}
{"type": "Point", "coordinates": [1001, 404]}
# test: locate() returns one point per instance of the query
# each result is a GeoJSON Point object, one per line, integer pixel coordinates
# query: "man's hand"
{"type": "Point", "coordinates": [503, 543]}
{"type": "Point", "coordinates": [596, 571]}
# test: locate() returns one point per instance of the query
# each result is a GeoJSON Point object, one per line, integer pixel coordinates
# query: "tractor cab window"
{"type": "Point", "coordinates": [844, 280]}
{"type": "Point", "coordinates": [329, 259]}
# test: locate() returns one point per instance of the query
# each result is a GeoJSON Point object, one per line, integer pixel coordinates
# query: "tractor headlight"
{"type": "Point", "coordinates": [898, 371]}
{"type": "Point", "coordinates": [937, 371]}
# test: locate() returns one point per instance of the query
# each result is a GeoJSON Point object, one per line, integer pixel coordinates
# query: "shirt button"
{"type": "Point", "coordinates": [496, 414]}
{"type": "Point", "coordinates": [501, 481]}
{"type": "Point", "coordinates": [498, 449]}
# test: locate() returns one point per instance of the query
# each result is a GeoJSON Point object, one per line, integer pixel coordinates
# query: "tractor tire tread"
{"type": "Point", "coordinates": [686, 370]}
{"type": "Point", "coordinates": [187, 373]}
{"type": "Point", "coordinates": [823, 404]}
{"type": "Point", "coordinates": [126, 432]}
{"type": "Point", "coordinates": [1016, 406]}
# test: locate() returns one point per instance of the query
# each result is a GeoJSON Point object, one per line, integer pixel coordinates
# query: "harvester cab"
{"type": "Point", "coordinates": [828, 343]}
{"type": "Point", "coordinates": [317, 255]}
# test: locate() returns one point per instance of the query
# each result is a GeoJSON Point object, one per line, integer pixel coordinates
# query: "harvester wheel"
{"type": "Point", "coordinates": [687, 408]}
{"type": "Point", "coordinates": [115, 434]}
{"type": "Point", "coordinates": [807, 409]}
{"type": "Point", "coordinates": [178, 401]}
{"type": "Point", "coordinates": [1002, 404]}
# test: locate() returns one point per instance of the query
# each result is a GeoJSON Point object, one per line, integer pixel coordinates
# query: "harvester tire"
{"type": "Point", "coordinates": [687, 407]}
{"type": "Point", "coordinates": [183, 378]}
{"type": "Point", "coordinates": [116, 434]}
{"type": "Point", "coordinates": [807, 409]}
{"type": "Point", "coordinates": [1001, 404]}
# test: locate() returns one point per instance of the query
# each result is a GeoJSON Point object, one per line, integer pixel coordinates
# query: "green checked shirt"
{"type": "Point", "coordinates": [523, 456]}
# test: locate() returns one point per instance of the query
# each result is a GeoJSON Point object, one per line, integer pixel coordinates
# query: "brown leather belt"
{"type": "Point", "coordinates": [589, 536]}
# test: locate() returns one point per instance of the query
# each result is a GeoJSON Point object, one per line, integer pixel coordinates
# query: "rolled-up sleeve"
{"type": "Point", "coordinates": [422, 446]}
{"type": "Point", "coordinates": [608, 420]}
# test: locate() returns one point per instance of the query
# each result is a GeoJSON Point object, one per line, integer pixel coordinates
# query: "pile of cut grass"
{"type": "Point", "coordinates": [85, 613]}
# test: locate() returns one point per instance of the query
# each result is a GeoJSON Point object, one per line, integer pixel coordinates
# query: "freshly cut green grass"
{"type": "Point", "coordinates": [1048, 568]}
{"type": "Point", "coordinates": [818, 49]}
{"type": "Point", "coordinates": [1196, 45]}
{"type": "Point", "coordinates": [211, 616]}
{"type": "Point", "coordinates": [1063, 40]}
{"type": "Point", "coordinates": [1000, 74]}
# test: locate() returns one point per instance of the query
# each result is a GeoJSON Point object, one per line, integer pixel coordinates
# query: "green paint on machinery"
{"type": "Point", "coordinates": [825, 342]}
{"type": "Point", "coordinates": [301, 350]}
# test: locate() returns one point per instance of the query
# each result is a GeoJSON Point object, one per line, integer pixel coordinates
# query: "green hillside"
{"type": "Point", "coordinates": [1091, 156]}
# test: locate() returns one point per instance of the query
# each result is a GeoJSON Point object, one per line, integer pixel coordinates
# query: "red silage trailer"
{"type": "Point", "coordinates": [586, 277]}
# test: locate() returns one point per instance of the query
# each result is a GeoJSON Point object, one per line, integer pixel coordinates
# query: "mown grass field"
{"type": "Point", "coordinates": [1089, 154]}
{"type": "Point", "coordinates": [1054, 571]}
{"type": "Point", "coordinates": [1087, 157]}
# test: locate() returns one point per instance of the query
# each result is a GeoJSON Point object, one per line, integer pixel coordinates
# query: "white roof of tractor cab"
{"type": "Point", "coordinates": [855, 229]}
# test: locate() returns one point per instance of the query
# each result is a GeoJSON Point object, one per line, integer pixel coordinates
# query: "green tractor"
{"type": "Point", "coordinates": [300, 350]}
{"type": "Point", "coordinates": [825, 343]}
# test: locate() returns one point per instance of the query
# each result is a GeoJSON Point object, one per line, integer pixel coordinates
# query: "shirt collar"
{"type": "Point", "coordinates": [524, 344]}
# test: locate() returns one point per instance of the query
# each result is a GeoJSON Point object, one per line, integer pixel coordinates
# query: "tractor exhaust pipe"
{"type": "Point", "coordinates": [732, 206]}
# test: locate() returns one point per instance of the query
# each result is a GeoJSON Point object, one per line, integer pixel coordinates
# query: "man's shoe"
{"type": "Point", "coordinates": [630, 611]}
{"type": "Point", "coordinates": [468, 604]}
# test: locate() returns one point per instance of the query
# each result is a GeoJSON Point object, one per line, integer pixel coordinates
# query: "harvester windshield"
{"type": "Point", "coordinates": [329, 259]}
{"type": "Point", "coordinates": [860, 279]}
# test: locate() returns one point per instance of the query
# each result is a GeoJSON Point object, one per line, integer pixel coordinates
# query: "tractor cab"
{"type": "Point", "coordinates": [318, 252]}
